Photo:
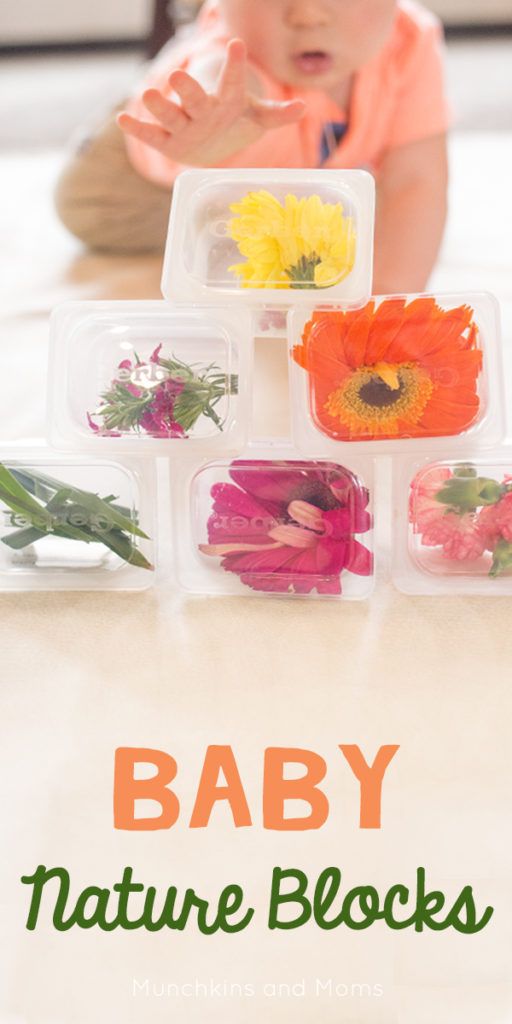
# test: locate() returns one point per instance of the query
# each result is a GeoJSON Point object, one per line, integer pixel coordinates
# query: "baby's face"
{"type": "Point", "coordinates": [310, 44]}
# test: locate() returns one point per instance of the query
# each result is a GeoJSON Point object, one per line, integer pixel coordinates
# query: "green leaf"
{"type": "Point", "coordinates": [466, 493]}
{"type": "Point", "coordinates": [25, 511]}
{"type": "Point", "coordinates": [104, 510]}
{"type": "Point", "coordinates": [502, 558]}
{"type": "Point", "coordinates": [95, 505]}
{"type": "Point", "coordinates": [34, 482]}
{"type": "Point", "coordinates": [22, 538]}
{"type": "Point", "coordinates": [16, 497]}
{"type": "Point", "coordinates": [38, 487]}
{"type": "Point", "coordinates": [99, 520]}
{"type": "Point", "coordinates": [122, 546]}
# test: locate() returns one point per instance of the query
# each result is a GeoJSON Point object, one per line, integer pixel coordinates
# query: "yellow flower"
{"type": "Point", "coordinates": [302, 243]}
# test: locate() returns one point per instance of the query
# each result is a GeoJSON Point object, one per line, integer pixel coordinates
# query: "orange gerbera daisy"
{"type": "Point", "coordinates": [396, 370]}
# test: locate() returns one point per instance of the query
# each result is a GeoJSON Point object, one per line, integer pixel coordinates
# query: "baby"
{"type": "Point", "coordinates": [281, 83]}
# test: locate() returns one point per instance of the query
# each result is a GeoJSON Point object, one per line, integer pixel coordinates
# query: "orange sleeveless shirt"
{"type": "Point", "coordinates": [398, 97]}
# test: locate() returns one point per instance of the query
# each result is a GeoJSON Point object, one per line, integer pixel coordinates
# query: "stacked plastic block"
{"type": "Point", "coordinates": [136, 387]}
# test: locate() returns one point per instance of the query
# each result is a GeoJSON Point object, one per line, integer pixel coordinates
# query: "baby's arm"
{"type": "Point", "coordinates": [411, 214]}
{"type": "Point", "coordinates": [207, 127]}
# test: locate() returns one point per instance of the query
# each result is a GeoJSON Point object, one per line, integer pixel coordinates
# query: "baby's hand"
{"type": "Point", "coordinates": [207, 128]}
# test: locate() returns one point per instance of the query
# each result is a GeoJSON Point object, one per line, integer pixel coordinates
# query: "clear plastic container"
{"type": "Point", "coordinates": [144, 377]}
{"type": "Point", "coordinates": [270, 322]}
{"type": "Point", "coordinates": [272, 523]}
{"type": "Point", "coordinates": [268, 237]}
{"type": "Point", "coordinates": [404, 372]}
{"type": "Point", "coordinates": [75, 524]}
{"type": "Point", "coordinates": [452, 525]}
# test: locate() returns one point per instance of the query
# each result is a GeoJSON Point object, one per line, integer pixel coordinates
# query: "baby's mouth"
{"type": "Point", "coordinates": [313, 62]}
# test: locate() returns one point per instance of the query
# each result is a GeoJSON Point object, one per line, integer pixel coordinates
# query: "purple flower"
{"type": "Point", "coordinates": [158, 419]}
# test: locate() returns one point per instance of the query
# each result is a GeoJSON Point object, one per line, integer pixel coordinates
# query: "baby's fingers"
{"type": "Point", "coordinates": [232, 76]}
{"type": "Point", "coordinates": [169, 114]}
{"type": "Point", "coordinates": [151, 134]}
{"type": "Point", "coordinates": [193, 97]}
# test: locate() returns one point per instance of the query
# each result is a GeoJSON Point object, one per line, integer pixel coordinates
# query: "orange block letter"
{"type": "Point", "coordinates": [209, 792]}
{"type": "Point", "coordinates": [276, 789]}
{"type": "Point", "coordinates": [127, 789]}
{"type": "Point", "coordinates": [370, 779]}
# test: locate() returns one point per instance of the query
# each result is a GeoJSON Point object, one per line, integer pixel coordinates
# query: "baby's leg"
{"type": "Point", "coordinates": [103, 201]}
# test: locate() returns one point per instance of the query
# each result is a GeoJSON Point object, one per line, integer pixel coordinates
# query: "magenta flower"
{"type": "Point", "coordinates": [158, 418]}
{"type": "Point", "coordinates": [289, 527]}
{"type": "Point", "coordinates": [163, 397]}
{"type": "Point", "coordinates": [155, 412]}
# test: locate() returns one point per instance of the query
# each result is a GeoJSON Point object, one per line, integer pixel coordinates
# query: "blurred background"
{"type": "Point", "coordinates": [63, 63]}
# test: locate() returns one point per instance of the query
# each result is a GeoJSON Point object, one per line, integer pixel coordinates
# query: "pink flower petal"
{"type": "Point", "coordinates": [360, 560]}
{"type": "Point", "coordinates": [289, 526]}
{"type": "Point", "coordinates": [237, 516]}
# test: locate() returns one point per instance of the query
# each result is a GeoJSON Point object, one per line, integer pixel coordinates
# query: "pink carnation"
{"type": "Point", "coordinates": [495, 522]}
{"type": "Point", "coordinates": [423, 506]}
{"type": "Point", "coordinates": [458, 535]}
{"type": "Point", "coordinates": [424, 510]}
